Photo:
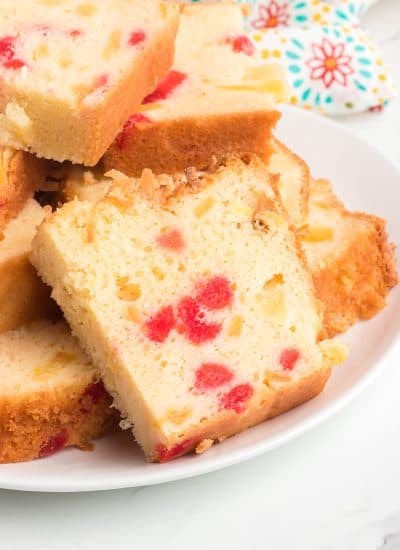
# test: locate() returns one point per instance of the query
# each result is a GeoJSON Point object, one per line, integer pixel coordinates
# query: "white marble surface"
{"type": "Point", "coordinates": [336, 488]}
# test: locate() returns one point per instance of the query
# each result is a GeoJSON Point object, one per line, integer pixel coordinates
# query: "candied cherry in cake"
{"type": "Point", "coordinates": [195, 327]}
{"type": "Point", "coordinates": [171, 240]}
{"type": "Point", "coordinates": [7, 47]}
{"type": "Point", "coordinates": [215, 293]}
{"type": "Point", "coordinates": [210, 376]}
{"type": "Point", "coordinates": [137, 37]}
{"type": "Point", "coordinates": [241, 44]}
{"type": "Point", "coordinates": [101, 80]}
{"type": "Point", "coordinates": [7, 53]}
{"type": "Point", "coordinates": [122, 137]}
{"type": "Point", "coordinates": [164, 454]}
{"type": "Point", "coordinates": [75, 32]}
{"type": "Point", "coordinates": [166, 87]}
{"type": "Point", "coordinates": [237, 397]}
{"type": "Point", "coordinates": [54, 444]}
{"type": "Point", "coordinates": [158, 327]}
{"type": "Point", "coordinates": [289, 358]}
{"type": "Point", "coordinates": [13, 64]}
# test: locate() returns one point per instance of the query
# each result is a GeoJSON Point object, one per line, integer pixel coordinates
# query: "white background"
{"type": "Point", "coordinates": [336, 488]}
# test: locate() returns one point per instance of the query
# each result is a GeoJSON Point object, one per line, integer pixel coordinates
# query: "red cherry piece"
{"type": "Point", "coordinates": [211, 376]}
{"type": "Point", "coordinates": [7, 47]}
{"type": "Point", "coordinates": [237, 398]}
{"type": "Point", "coordinates": [96, 392]}
{"type": "Point", "coordinates": [164, 454]}
{"type": "Point", "coordinates": [7, 53]}
{"type": "Point", "coordinates": [242, 44]}
{"type": "Point", "coordinates": [137, 37]}
{"type": "Point", "coordinates": [166, 87]}
{"type": "Point", "coordinates": [75, 32]}
{"type": "Point", "coordinates": [13, 64]}
{"type": "Point", "coordinates": [289, 358]}
{"type": "Point", "coordinates": [215, 293]}
{"type": "Point", "coordinates": [158, 327]}
{"type": "Point", "coordinates": [101, 80]}
{"type": "Point", "coordinates": [123, 136]}
{"type": "Point", "coordinates": [196, 329]}
{"type": "Point", "coordinates": [172, 240]}
{"type": "Point", "coordinates": [54, 444]}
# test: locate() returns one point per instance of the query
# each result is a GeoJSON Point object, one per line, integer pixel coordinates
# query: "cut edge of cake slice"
{"type": "Point", "coordinates": [165, 428]}
{"type": "Point", "coordinates": [351, 259]}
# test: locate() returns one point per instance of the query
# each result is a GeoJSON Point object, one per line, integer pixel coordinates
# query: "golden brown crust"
{"type": "Point", "coordinates": [23, 296]}
{"type": "Point", "coordinates": [277, 399]}
{"type": "Point", "coordinates": [24, 174]}
{"type": "Point", "coordinates": [289, 396]}
{"type": "Point", "coordinates": [222, 426]}
{"type": "Point", "coordinates": [32, 426]}
{"type": "Point", "coordinates": [173, 145]}
{"type": "Point", "coordinates": [355, 285]}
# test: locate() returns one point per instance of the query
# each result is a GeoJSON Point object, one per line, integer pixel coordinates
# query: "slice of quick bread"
{"type": "Point", "coordinates": [216, 101]}
{"type": "Point", "coordinates": [72, 72]}
{"type": "Point", "coordinates": [50, 395]}
{"type": "Point", "coordinates": [23, 296]}
{"type": "Point", "coordinates": [20, 175]}
{"type": "Point", "coordinates": [352, 262]}
{"type": "Point", "coordinates": [192, 297]}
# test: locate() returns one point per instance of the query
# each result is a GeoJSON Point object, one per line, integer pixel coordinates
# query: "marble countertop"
{"type": "Point", "coordinates": [335, 488]}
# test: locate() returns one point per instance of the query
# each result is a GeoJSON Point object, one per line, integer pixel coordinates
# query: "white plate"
{"type": "Point", "coordinates": [366, 181]}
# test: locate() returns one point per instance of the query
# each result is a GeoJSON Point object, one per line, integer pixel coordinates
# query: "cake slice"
{"type": "Point", "coordinates": [352, 262]}
{"type": "Point", "coordinates": [20, 175]}
{"type": "Point", "coordinates": [192, 297]}
{"type": "Point", "coordinates": [23, 296]}
{"type": "Point", "coordinates": [216, 101]}
{"type": "Point", "coordinates": [50, 395]}
{"type": "Point", "coordinates": [72, 72]}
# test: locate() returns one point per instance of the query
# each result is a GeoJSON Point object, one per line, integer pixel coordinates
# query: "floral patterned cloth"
{"type": "Point", "coordinates": [332, 64]}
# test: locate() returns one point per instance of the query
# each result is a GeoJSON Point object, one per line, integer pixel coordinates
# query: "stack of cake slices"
{"type": "Point", "coordinates": [167, 265]}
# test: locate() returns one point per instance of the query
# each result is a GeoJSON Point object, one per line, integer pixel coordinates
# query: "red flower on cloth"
{"type": "Point", "coordinates": [329, 63]}
{"type": "Point", "coordinates": [272, 15]}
